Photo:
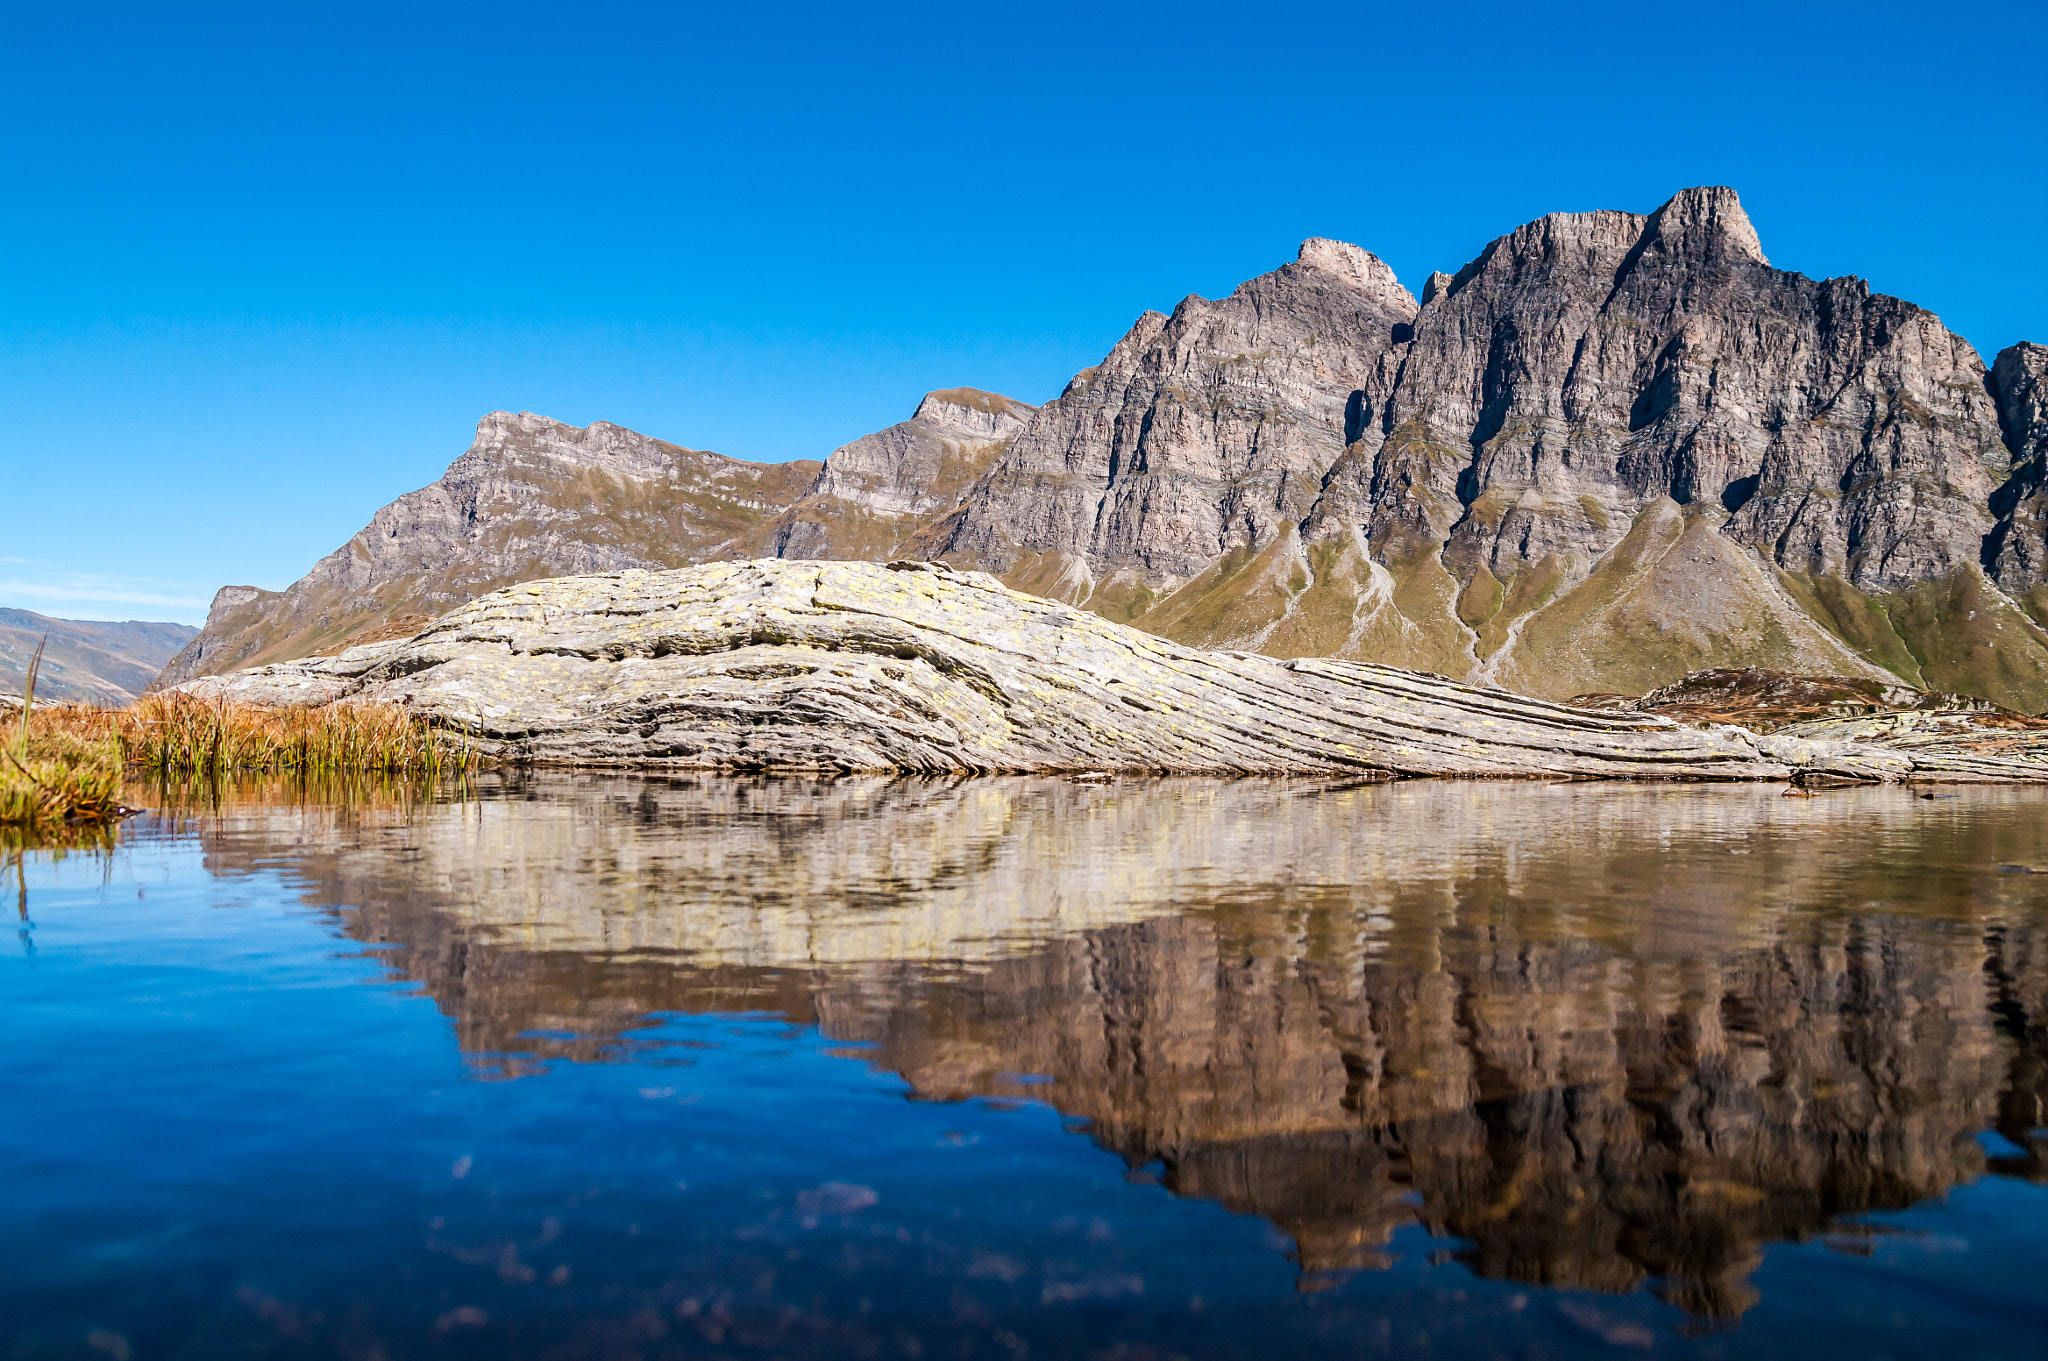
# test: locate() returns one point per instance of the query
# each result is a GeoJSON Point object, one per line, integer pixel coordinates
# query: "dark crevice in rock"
{"type": "Point", "coordinates": [1737, 494]}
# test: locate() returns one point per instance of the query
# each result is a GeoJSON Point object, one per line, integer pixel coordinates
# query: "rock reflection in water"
{"type": "Point", "coordinates": [1591, 1035]}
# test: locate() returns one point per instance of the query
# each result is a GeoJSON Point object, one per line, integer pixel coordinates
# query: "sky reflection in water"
{"type": "Point", "coordinates": [605, 1066]}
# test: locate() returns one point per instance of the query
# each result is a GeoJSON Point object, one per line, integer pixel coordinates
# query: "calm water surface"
{"type": "Point", "coordinates": [616, 1067]}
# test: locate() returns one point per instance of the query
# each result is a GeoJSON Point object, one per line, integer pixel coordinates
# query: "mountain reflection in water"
{"type": "Point", "coordinates": [1593, 1035]}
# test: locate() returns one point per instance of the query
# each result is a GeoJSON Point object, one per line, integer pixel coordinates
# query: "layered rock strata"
{"type": "Point", "coordinates": [1611, 450]}
{"type": "Point", "coordinates": [915, 667]}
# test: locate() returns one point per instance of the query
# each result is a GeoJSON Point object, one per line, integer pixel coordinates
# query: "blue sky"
{"type": "Point", "coordinates": [263, 267]}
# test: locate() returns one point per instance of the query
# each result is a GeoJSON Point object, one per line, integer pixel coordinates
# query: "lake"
{"type": "Point", "coordinates": [564, 1066]}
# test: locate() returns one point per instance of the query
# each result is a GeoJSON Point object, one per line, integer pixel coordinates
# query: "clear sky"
{"type": "Point", "coordinates": [262, 267]}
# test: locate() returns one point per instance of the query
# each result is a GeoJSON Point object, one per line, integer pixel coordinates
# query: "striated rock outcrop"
{"type": "Point", "coordinates": [915, 667]}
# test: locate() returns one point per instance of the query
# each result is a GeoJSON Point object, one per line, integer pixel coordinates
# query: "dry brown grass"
{"type": "Point", "coordinates": [66, 763]}
{"type": "Point", "coordinates": [56, 771]}
{"type": "Point", "coordinates": [177, 734]}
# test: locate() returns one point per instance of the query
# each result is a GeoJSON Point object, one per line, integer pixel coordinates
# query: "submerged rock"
{"type": "Point", "coordinates": [913, 666]}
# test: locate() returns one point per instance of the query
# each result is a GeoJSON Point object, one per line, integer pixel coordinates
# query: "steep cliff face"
{"type": "Point", "coordinates": [531, 498]}
{"type": "Point", "coordinates": [1610, 450]}
{"type": "Point", "coordinates": [1590, 364]}
{"type": "Point", "coordinates": [1602, 382]}
{"type": "Point", "coordinates": [875, 497]}
{"type": "Point", "coordinates": [1202, 435]}
{"type": "Point", "coordinates": [2018, 548]}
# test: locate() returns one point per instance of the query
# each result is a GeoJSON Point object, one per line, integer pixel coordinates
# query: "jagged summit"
{"type": "Point", "coordinates": [988, 415]}
{"type": "Point", "coordinates": [1712, 216]}
{"type": "Point", "coordinates": [875, 496]}
{"type": "Point", "coordinates": [1697, 226]}
{"type": "Point", "coordinates": [1356, 268]}
{"type": "Point", "coordinates": [503, 434]}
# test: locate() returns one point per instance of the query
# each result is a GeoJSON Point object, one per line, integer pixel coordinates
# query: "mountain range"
{"type": "Point", "coordinates": [1611, 450]}
{"type": "Point", "coordinates": [85, 661]}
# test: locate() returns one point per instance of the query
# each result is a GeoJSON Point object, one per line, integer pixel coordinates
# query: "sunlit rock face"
{"type": "Point", "coordinates": [532, 497]}
{"type": "Point", "coordinates": [882, 495]}
{"type": "Point", "coordinates": [1597, 1035]}
{"type": "Point", "coordinates": [1611, 449]}
{"type": "Point", "coordinates": [1200, 433]}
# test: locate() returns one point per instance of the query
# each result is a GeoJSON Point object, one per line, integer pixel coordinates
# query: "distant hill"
{"type": "Point", "coordinates": [536, 498]}
{"type": "Point", "coordinates": [87, 661]}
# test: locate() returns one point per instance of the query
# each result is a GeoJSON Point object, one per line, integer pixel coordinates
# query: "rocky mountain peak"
{"type": "Point", "coordinates": [1612, 448]}
{"type": "Point", "coordinates": [532, 497]}
{"type": "Point", "coordinates": [1355, 268]}
{"type": "Point", "coordinates": [234, 597]}
{"type": "Point", "coordinates": [875, 496]}
{"type": "Point", "coordinates": [972, 413]}
{"type": "Point", "coordinates": [1706, 221]}
{"type": "Point", "coordinates": [508, 438]}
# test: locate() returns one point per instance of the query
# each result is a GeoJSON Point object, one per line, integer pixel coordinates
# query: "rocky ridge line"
{"type": "Point", "coordinates": [1612, 450]}
{"type": "Point", "coordinates": [85, 661]}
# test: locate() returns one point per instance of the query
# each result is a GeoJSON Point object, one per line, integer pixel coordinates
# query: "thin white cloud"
{"type": "Point", "coordinates": [100, 592]}
{"type": "Point", "coordinates": [110, 593]}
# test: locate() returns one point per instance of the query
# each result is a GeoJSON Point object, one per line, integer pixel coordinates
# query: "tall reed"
{"type": "Point", "coordinates": [66, 762]}
{"type": "Point", "coordinates": [180, 734]}
{"type": "Point", "coordinates": [57, 773]}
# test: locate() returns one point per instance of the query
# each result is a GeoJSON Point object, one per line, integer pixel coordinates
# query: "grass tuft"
{"type": "Point", "coordinates": [67, 763]}
{"type": "Point", "coordinates": [179, 734]}
{"type": "Point", "coordinates": [56, 773]}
